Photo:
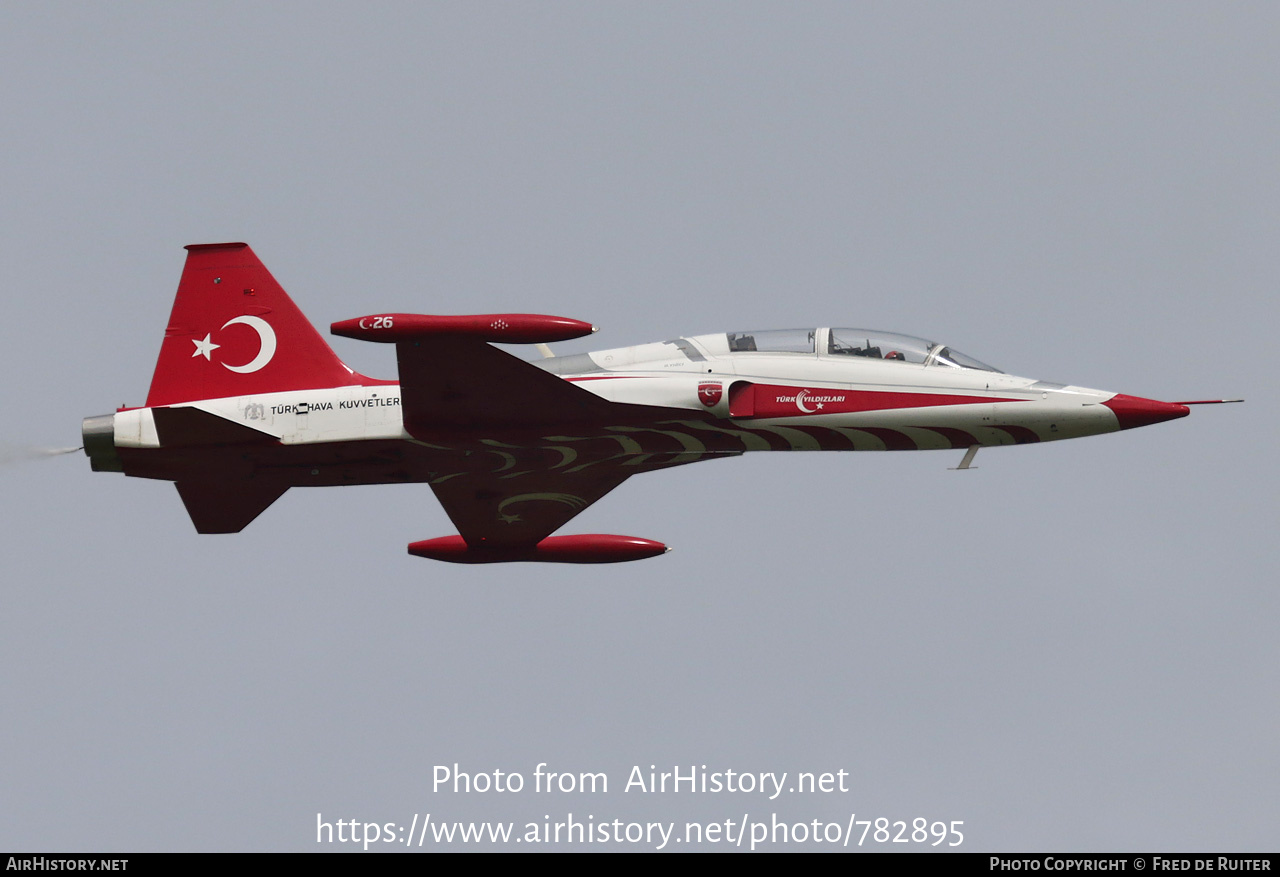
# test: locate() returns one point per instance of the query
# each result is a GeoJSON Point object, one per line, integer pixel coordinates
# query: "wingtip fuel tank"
{"type": "Point", "coordinates": [582, 548]}
{"type": "Point", "coordinates": [495, 328]}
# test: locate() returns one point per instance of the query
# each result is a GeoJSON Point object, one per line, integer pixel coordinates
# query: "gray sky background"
{"type": "Point", "coordinates": [1072, 648]}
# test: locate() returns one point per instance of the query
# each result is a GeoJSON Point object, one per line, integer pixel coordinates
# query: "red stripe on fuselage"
{"type": "Point", "coordinates": [827, 439]}
{"type": "Point", "coordinates": [958, 437]}
{"type": "Point", "coordinates": [1021, 435]}
{"type": "Point", "coordinates": [775, 400]}
{"type": "Point", "coordinates": [893, 440]}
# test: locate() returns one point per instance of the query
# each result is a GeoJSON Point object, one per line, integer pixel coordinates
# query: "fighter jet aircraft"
{"type": "Point", "coordinates": [248, 400]}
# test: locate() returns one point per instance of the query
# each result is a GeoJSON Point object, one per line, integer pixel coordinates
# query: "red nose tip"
{"type": "Point", "coordinates": [1134, 411]}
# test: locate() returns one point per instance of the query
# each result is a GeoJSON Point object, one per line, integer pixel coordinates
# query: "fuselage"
{"type": "Point", "coordinates": [248, 400]}
{"type": "Point", "coordinates": [702, 398]}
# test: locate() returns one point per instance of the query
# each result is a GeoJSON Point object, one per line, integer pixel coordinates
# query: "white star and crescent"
{"type": "Point", "coordinates": [266, 344]}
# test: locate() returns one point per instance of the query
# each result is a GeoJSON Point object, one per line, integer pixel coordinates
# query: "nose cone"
{"type": "Point", "coordinates": [1134, 411]}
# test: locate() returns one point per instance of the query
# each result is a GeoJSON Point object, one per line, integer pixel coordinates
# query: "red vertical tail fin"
{"type": "Point", "coordinates": [235, 332]}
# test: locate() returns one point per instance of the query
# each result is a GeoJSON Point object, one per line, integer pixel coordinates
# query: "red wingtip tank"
{"type": "Point", "coordinates": [583, 548]}
{"type": "Point", "coordinates": [497, 328]}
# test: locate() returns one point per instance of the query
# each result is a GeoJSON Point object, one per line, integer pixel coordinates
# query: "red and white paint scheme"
{"type": "Point", "coordinates": [248, 400]}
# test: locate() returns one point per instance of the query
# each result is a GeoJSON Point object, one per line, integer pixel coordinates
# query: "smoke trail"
{"type": "Point", "coordinates": [15, 453]}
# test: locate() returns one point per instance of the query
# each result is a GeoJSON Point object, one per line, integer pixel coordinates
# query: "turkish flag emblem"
{"type": "Point", "coordinates": [709, 393]}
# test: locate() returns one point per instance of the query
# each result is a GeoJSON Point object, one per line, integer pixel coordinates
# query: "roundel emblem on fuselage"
{"type": "Point", "coordinates": [709, 393]}
{"type": "Point", "coordinates": [266, 343]}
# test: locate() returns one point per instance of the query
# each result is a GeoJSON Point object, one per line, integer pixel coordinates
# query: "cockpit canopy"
{"type": "Point", "coordinates": [773, 341]}
{"type": "Point", "coordinates": [867, 343]}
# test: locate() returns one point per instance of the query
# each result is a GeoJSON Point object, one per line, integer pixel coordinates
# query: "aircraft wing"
{"type": "Point", "coordinates": [462, 388]}
{"type": "Point", "coordinates": [519, 511]}
{"type": "Point", "coordinates": [452, 383]}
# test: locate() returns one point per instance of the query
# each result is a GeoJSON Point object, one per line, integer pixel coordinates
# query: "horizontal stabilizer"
{"type": "Point", "coordinates": [228, 505]}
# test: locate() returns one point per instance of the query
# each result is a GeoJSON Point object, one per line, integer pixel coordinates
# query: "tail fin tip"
{"type": "Point", "coordinates": [231, 245]}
